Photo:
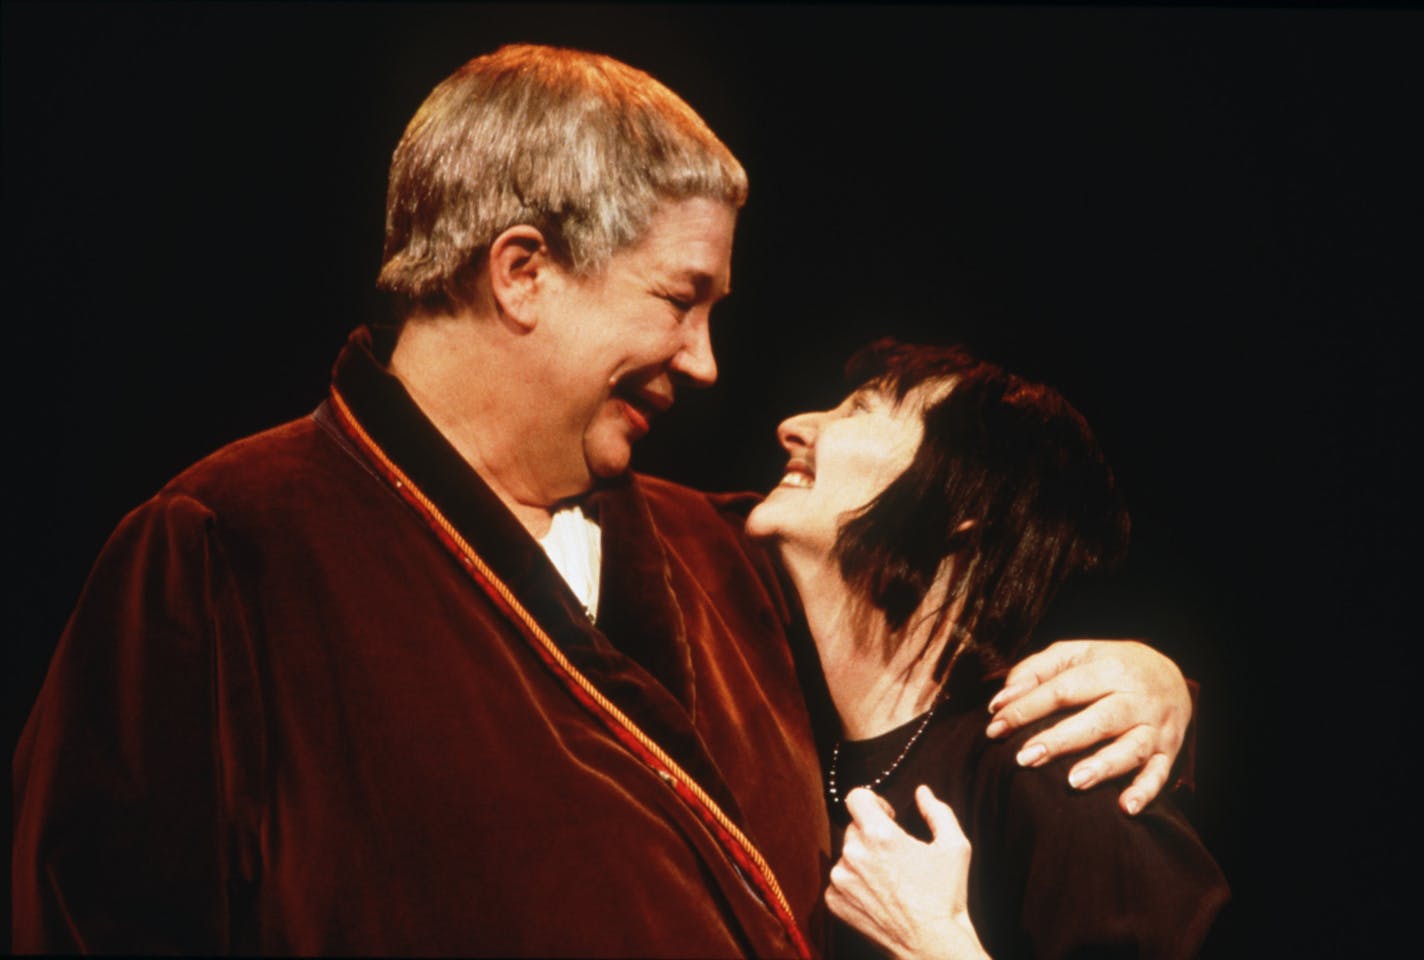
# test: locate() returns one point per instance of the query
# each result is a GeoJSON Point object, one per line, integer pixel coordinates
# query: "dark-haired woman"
{"type": "Point", "coordinates": [926, 522]}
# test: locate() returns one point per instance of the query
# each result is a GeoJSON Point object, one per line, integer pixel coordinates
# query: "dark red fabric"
{"type": "Point", "coordinates": [283, 719]}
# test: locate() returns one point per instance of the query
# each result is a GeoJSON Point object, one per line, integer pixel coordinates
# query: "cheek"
{"type": "Point", "coordinates": [650, 333]}
{"type": "Point", "coordinates": [604, 421]}
{"type": "Point", "coordinates": [896, 459]}
{"type": "Point", "coordinates": [891, 472]}
{"type": "Point", "coordinates": [868, 478]}
{"type": "Point", "coordinates": [657, 351]}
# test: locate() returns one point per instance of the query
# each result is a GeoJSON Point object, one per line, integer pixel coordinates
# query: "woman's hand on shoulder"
{"type": "Point", "coordinates": [1130, 695]}
{"type": "Point", "coordinates": [908, 896]}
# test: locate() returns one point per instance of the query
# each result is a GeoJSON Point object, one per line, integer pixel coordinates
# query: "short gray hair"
{"type": "Point", "coordinates": [576, 144]}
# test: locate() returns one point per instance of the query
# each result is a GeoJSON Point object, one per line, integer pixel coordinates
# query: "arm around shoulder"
{"type": "Point", "coordinates": [1123, 693]}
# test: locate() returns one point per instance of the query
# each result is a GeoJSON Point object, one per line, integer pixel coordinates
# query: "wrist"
{"type": "Point", "coordinates": [954, 940]}
{"type": "Point", "coordinates": [974, 950]}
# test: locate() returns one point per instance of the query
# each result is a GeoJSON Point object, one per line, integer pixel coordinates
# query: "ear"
{"type": "Point", "coordinates": [966, 533]}
{"type": "Point", "coordinates": [519, 265]}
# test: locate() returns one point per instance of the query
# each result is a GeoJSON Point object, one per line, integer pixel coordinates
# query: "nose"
{"type": "Point", "coordinates": [695, 360]}
{"type": "Point", "coordinates": [799, 432]}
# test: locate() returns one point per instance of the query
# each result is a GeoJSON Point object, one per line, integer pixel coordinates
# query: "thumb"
{"type": "Point", "coordinates": [941, 819]}
{"type": "Point", "coordinates": [1057, 657]}
{"type": "Point", "coordinates": [868, 810]}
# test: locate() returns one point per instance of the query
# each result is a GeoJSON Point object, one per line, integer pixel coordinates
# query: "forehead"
{"type": "Point", "coordinates": [900, 392]}
{"type": "Point", "coordinates": [687, 241]}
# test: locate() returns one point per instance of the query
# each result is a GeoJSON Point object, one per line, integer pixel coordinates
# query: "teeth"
{"type": "Point", "coordinates": [797, 479]}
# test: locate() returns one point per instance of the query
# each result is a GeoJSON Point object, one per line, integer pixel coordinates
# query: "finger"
{"type": "Point", "coordinates": [944, 825]}
{"type": "Point", "coordinates": [852, 846]}
{"type": "Point", "coordinates": [867, 811]}
{"type": "Point", "coordinates": [1124, 755]}
{"type": "Point", "coordinates": [1102, 721]}
{"type": "Point", "coordinates": [881, 802]}
{"type": "Point", "coordinates": [1147, 785]}
{"type": "Point", "coordinates": [885, 805]}
{"type": "Point", "coordinates": [837, 899]}
{"type": "Point", "coordinates": [1037, 668]}
{"type": "Point", "coordinates": [847, 907]}
{"type": "Point", "coordinates": [1082, 684]}
{"type": "Point", "coordinates": [845, 895]}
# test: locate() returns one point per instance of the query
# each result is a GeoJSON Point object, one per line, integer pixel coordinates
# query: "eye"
{"type": "Point", "coordinates": [681, 304]}
{"type": "Point", "coordinates": [860, 403]}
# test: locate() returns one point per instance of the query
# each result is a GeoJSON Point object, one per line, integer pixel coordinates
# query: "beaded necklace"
{"type": "Point", "coordinates": [831, 790]}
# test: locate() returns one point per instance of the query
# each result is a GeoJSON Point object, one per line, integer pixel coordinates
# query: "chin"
{"type": "Point", "coordinates": [606, 463]}
{"type": "Point", "coordinates": [608, 444]}
{"type": "Point", "coordinates": [761, 522]}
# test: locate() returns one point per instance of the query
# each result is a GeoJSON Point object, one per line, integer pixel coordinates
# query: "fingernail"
{"type": "Point", "coordinates": [1084, 776]}
{"type": "Point", "coordinates": [1133, 805]}
{"type": "Point", "coordinates": [996, 728]}
{"type": "Point", "coordinates": [1032, 755]}
{"type": "Point", "coordinates": [1005, 695]}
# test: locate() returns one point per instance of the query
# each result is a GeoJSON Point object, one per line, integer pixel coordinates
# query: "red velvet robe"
{"type": "Point", "coordinates": [324, 694]}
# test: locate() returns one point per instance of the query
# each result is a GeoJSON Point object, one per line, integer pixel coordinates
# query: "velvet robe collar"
{"type": "Point", "coordinates": [637, 654]}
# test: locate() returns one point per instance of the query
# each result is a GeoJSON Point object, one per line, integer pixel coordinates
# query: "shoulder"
{"type": "Point", "coordinates": [1083, 874]}
{"type": "Point", "coordinates": [695, 518]}
{"type": "Point", "coordinates": [267, 487]}
{"type": "Point", "coordinates": [670, 501]}
{"type": "Point", "coordinates": [708, 532]}
{"type": "Point", "coordinates": [257, 461]}
{"type": "Point", "coordinates": [242, 472]}
{"type": "Point", "coordinates": [1032, 815]}
{"type": "Point", "coordinates": [1042, 788]}
{"type": "Point", "coordinates": [1037, 802]}
{"type": "Point", "coordinates": [283, 475]}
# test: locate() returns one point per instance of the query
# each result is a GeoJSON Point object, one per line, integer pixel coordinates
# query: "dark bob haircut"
{"type": "Point", "coordinates": [1008, 478]}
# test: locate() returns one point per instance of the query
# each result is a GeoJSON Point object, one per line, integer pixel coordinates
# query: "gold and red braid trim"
{"type": "Point", "coordinates": [749, 861]}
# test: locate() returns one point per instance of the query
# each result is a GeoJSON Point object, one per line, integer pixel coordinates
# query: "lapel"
{"type": "Point", "coordinates": [638, 654]}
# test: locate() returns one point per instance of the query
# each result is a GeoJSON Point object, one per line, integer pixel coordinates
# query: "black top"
{"type": "Point", "coordinates": [1055, 872]}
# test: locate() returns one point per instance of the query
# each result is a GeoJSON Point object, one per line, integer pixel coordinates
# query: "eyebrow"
{"type": "Point", "coordinates": [703, 283]}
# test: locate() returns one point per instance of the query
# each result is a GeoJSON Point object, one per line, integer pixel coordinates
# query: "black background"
{"type": "Point", "coordinates": [1200, 223]}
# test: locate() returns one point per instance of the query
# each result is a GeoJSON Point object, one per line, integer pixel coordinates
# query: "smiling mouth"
{"type": "Point", "coordinates": [640, 407]}
{"type": "Point", "coordinates": [638, 419]}
{"type": "Point", "coordinates": [799, 475]}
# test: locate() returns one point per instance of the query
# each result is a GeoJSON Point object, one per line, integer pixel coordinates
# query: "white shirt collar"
{"type": "Point", "coordinates": [574, 544]}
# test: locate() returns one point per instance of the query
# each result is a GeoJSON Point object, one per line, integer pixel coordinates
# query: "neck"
{"type": "Point", "coordinates": [433, 359]}
{"type": "Point", "coordinates": [874, 692]}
